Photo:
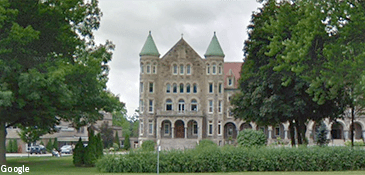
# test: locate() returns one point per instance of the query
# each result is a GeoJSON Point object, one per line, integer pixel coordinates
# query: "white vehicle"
{"type": "Point", "coordinates": [66, 149]}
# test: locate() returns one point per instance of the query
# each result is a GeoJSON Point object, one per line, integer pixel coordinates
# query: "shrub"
{"type": "Point", "coordinates": [14, 148]}
{"type": "Point", "coordinates": [148, 145]}
{"type": "Point", "coordinates": [206, 143]}
{"type": "Point", "coordinates": [127, 142]}
{"type": "Point", "coordinates": [250, 138]}
{"type": "Point", "coordinates": [49, 146]}
{"type": "Point", "coordinates": [356, 143]}
{"type": "Point", "coordinates": [91, 150]}
{"type": "Point", "coordinates": [321, 138]}
{"type": "Point", "coordinates": [78, 155]}
{"type": "Point", "coordinates": [115, 146]}
{"type": "Point", "coordinates": [9, 147]}
{"type": "Point", "coordinates": [55, 144]}
{"type": "Point", "coordinates": [230, 159]}
{"type": "Point", "coordinates": [117, 140]}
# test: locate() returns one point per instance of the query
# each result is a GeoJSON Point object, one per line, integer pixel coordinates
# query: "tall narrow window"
{"type": "Point", "coordinates": [210, 87]}
{"type": "Point", "coordinates": [141, 127]}
{"type": "Point", "coordinates": [219, 128]}
{"type": "Point", "coordinates": [188, 71]}
{"type": "Point", "coordinates": [230, 129]}
{"type": "Point", "coordinates": [188, 88]}
{"type": "Point", "coordinates": [214, 69]}
{"type": "Point", "coordinates": [181, 106]}
{"type": "Point", "coordinates": [220, 87]}
{"type": "Point", "coordinates": [150, 107]}
{"type": "Point", "coordinates": [181, 88]}
{"type": "Point", "coordinates": [148, 68]}
{"type": "Point", "coordinates": [174, 88]}
{"type": "Point", "coordinates": [167, 128]}
{"type": "Point", "coordinates": [141, 107]}
{"type": "Point", "coordinates": [150, 126]}
{"type": "Point", "coordinates": [277, 131]}
{"type": "Point", "coordinates": [210, 128]}
{"type": "Point", "coordinates": [151, 87]}
{"type": "Point", "coordinates": [210, 107]}
{"type": "Point", "coordinates": [141, 87]}
{"type": "Point", "coordinates": [142, 70]}
{"type": "Point", "coordinates": [195, 128]}
{"type": "Point", "coordinates": [154, 68]}
{"type": "Point", "coordinates": [220, 69]}
{"type": "Point", "coordinates": [208, 69]}
{"type": "Point", "coordinates": [181, 69]}
{"type": "Point", "coordinates": [168, 105]}
{"type": "Point", "coordinates": [175, 69]}
{"type": "Point", "coordinates": [220, 106]}
{"type": "Point", "coordinates": [230, 82]}
{"type": "Point", "coordinates": [195, 88]}
{"type": "Point", "coordinates": [168, 88]}
{"type": "Point", "coordinates": [194, 105]}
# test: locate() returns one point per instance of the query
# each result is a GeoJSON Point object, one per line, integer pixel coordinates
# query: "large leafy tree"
{"type": "Point", "coordinates": [268, 95]}
{"type": "Point", "coordinates": [50, 68]}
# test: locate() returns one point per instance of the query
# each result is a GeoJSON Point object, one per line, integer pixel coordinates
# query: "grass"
{"type": "Point", "coordinates": [64, 166]}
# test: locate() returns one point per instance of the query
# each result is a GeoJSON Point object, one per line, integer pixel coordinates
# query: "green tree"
{"type": "Point", "coordinates": [78, 154]}
{"type": "Point", "coordinates": [251, 138]}
{"type": "Point", "coordinates": [55, 144]}
{"type": "Point", "coordinates": [15, 146]}
{"type": "Point", "coordinates": [49, 145]}
{"type": "Point", "coordinates": [30, 134]}
{"type": "Point", "coordinates": [50, 68]}
{"type": "Point", "coordinates": [127, 142]}
{"type": "Point", "coordinates": [10, 146]}
{"type": "Point", "coordinates": [106, 134]}
{"type": "Point", "coordinates": [321, 137]}
{"type": "Point", "coordinates": [99, 146]}
{"type": "Point", "coordinates": [117, 140]}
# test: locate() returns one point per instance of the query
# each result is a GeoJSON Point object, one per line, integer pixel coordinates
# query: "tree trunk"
{"type": "Point", "coordinates": [2, 143]}
{"type": "Point", "coordinates": [352, 125]}
{"type": "Point", "coordinates": [292, 134]}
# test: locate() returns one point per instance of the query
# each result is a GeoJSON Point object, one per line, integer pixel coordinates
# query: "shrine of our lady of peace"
{"type": "Point", "coordinates": [185, 98]}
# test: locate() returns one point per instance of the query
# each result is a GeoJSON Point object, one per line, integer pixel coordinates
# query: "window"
{"type": "Point", "coordinates": [151, 87]}
{"type": "Point", "coordinates": [141, 106]}
{"type": "Point", "coordinates": [174, 88]}
{"type": "Point", "coordinates": [277, 131]}
{"type": "Point", "coordinates": [195, 128]}
{"type": "Point", "coordinates": [208, 69]}
{"type": "Point", "coordinates": [168, 88]}
{"type": "Point", "coordinates": [230, 113]}
{"type": "Point", "coordinates": [148, 68]}
{"type": "Point", "coordinates": [168, 105]}
{"type": "Point", "coordinates": [141, 127]}
{"type": "Point", "coordinates": [210, 87]}
{"type": "Point", "coordinates": [141, 87]}
{"type": "Point", "coordinates": [142, 71]}
{"type": "Point", "coordinates": [220, 106]}
{"type": "Point", "coordinates": [150, 126]}
{"type": "Point", "coordinates": [154, 69]}
{"type": "Point", "coordinates": [230, 129]}
{"type": "Point", "coordinates": [181, 69]}
{"type": "Point", "coordinates": [188, 71]}
{"type": "Point", "coordinates": [220, 69]}
{"type": "Point", "coordinates": [150, 107]}
{"type": "Point", "coordinates": [230, 82]}
{"type": "Point", "coordinates": [181, 88]}
{"type": "Point", "coordinates": [214, 69]}
{"type": "Point", "coordinates": [220, 87]}
{"type": "Point", "coordinates": [188, 88]}
{"type": "Point", "coordinates": [181, 106]}
{"type": "Point", "coordinates": [210, 128]}
{"type": "Point", "coordinates": [175, 69]}
{"type": "Point", "coordinates": [166, 128]}
{"type": "Point", "coordinates": [210, 107]}
{"type": "Point", "coordinates": [219, 128]}
{"type": "Point", "coordinates": [194, 105]}
{"type": "Point", "coordinates": [195, 88]}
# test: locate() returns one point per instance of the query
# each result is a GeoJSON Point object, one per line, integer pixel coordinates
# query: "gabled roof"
{"type": "Point", "coordinates": [232, 69]}
{"type": "Point", "coordinates": [214, 48]}
{"type": "Point", "coordinates": [149, 47]}
{"type": "Point", "coordinates": [183, 43]}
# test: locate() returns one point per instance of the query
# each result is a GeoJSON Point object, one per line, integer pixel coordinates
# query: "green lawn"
{"type": "Point", "coordinates": [64, 166]}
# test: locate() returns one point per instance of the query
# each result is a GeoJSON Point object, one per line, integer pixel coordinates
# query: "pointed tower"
{"type": "Point", "coordinates": [149, 47]}
{"type": "Point", "coordinates": [214, 48]}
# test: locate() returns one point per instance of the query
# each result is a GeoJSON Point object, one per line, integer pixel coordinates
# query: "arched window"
{"type": "Point", "coordinates": [154, 68]}
{"type": "Point", "coordinates": [188, 88]}
{"type": "Point", "coordinates": [181, 88]}
{"type": "Point", "coordinates": [181, 106]}
{"type": "Point", "coordinates": [148, 69]}
{"type": "Point", "coordinates": [169, 105]}
{"type": "Point", "coordinates": [214, 69]}
{"type": "Point", "coordinates": [208, 69]}
{"type": "Point", "coordinates": [194, 105]}
{"type": "Point", "coordinates": [181, 69]}
{"type": "Point", "coordinates": [195, 88]}
{"type": "Point", "coordinates": [188, 71]}
{"type": "Point", "coordinates": [168, 88]}
{"type": "Point", "coordinates": [142, 71]}
{"type": "Point", "coordinates": [174, 69]}
{"type": "Point", "coordinates": [220, 69]}
{"type": "Point", "coordinates": [174, 88]}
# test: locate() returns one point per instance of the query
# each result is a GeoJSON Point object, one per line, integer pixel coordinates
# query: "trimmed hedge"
{"type": "Point", "coordinates": [231, 159]}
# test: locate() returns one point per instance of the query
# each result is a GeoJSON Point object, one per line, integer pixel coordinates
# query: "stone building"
{"type": "Point", "coordinates": [185, 98]}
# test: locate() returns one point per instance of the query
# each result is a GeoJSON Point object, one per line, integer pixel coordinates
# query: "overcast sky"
{"type": "Point", "coordinates": [126, 24]}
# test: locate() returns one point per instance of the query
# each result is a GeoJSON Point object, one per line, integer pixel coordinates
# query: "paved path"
{"type": "Point", "coordinates": [31, 155]}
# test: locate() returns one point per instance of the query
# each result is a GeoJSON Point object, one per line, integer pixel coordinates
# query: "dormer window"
{"type": "Point", "coordinates": [230, 81]}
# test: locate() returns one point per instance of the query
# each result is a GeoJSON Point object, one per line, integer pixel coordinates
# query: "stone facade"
{"type": "Point", "coordinates": [185, 98]}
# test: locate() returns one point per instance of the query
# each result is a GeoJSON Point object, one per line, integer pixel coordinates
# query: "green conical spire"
{"type": "Point", "coordinates": [149, 47]}
{"type": "Point", "coordinates": [214, 48]}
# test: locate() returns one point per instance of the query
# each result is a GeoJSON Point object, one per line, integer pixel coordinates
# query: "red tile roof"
{"type": "Point", "coordinates": [236, 72]}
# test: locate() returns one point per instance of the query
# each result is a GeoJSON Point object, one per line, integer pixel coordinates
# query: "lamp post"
{"type": "Point", "coordinates": [158, 155]}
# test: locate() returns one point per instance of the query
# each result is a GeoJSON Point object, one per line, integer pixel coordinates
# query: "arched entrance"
{"type": "Point", "coordinates": [179, 129]}
{"type": "Point", "coordinates": [357, 131]}
{"type": "Point", "coordinates": [245, 126]}
{"type": "Point", "coordinates": [166, 129]}
{"type": "Point", "coordinates": [192, 129]}
{"type": "Point", "coordinates": [315, 130]}
{"type": "Point", "coordinates": [230, 131]}
{"type": "Point", "coordinates": [337, 131]}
